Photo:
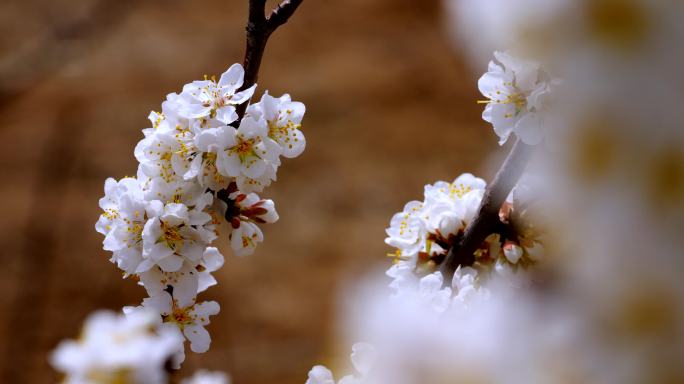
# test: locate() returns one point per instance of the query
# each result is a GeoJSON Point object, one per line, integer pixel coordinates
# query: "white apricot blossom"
{"type": "Point", "coordinates": [122, 222]}
{"type": "Point", "coordinates": [257, 184]}
{"type": "Point", "coordinates": [425, 231]}
{"type": "Point", "coordinates": [407, 230]}
{"type": "Point", "coordinates": [174, 234]}
{"type": "Point", "coordinates": [515, 90]}
{"type": "Point", "coordinates": [363, 357]}
{"type": "Point", "coordinates": [202, 156]}
{"type": "Point", "coordinates": [215, 99]}
{"type": "Point", "coordinates": [320, 375]}
{"type": "Point", "coordinates": [244, 151]}
{"type": "Point", "coordinates": [284, 119]}
{"type": "Point", "coordinates": [188, 281]}
{"type": "Point", "coordinates": [159, 152]}
{"type": "Point", "coordinates": [188, 316]}
{"type": "Point", "coordinates": [207, 377]}
{"type": "Point", "coordinates": [113, 348]}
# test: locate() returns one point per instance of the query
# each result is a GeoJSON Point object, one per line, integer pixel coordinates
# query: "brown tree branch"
{"type": "Point", "coordinates": [487, 219]}
{"type": "Point", "coordinates": [259, 29]}
{"type": "Point", "coordinates": [282, 13]}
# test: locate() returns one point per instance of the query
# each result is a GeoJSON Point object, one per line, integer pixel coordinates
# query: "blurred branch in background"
{"type": "Point", "coordinates": [26, 319]}
{"type": "Point", "coordinates": [487, 219]}
{"type": "Point", "coordinates": [44, 56]}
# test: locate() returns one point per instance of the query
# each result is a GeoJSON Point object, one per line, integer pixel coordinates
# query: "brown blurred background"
{"type": "Point", "coordinates": [391, 107]}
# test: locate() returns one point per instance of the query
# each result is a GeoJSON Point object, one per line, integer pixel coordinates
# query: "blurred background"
{"type": "Point", "coordinates": [390, 108]}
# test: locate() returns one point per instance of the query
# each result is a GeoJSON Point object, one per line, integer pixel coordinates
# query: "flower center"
{"type": "Point", "coordinates": [171, 236]}
{"type": "Point", "coordinates": [135, 229]}
{"type": "Point", "coordinates": [244, 148]}
{"type": "Point", "coordinates": [458, 190]}
{"type": "Point", "coordinates": [181, 316]}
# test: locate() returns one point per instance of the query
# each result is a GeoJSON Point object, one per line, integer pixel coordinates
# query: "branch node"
{"type": "Point", "coordinates": [487, 218]}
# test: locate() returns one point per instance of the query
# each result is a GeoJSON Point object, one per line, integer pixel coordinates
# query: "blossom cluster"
{"type": "Point", "coordinates": [199, 164]}
{"type": "Point", "coordinates": [196, 168]}
{"type": "Point", "coordinates": [605, 304]}
{"type": "Point", "coordinates": [423, 307]}
{"type": "Point", "coordinates": [422, 303]}
{"type": "Point", "coordinates": [424, 231]}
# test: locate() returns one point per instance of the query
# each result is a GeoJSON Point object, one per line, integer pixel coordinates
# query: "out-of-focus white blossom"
{"type": "Point", "coordinates": [494, 333]}
{"type": "Point", "coordinates": [363, 357]}
{"type": "Point", "coordinates": [320, 375]}
{"type": "Point", "coordinates": [484, 26]}
{"type": "Point", "coordinates": [118, 349]}
{"type": "Point", "coordinates": [207, 377]}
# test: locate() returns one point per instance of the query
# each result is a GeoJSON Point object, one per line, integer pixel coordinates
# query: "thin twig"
{"type": "Point", "coordinates": [259, 29]}
{"type": "Point", "coordinates": [282, 13]}
{"type": "Point", "coordinates": [487, 219]}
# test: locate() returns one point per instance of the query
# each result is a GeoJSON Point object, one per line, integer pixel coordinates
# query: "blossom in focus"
{"type": "Point", "coordinates": [425, 231]}
{"type": "Point", "coordinates": [284, 119]}
{"type": "Point", "coordinates": [122, 222]}
{"type": "Point", "coordinates": [215, 99]}
{"type": "Point", "coordinates": [203, 154]}
{"type": "Point", "coordinates": [160, 152]}
{"type": "Point", "coordinates": [189, 317]}
{"type": "Point", "coordinates": [188, 281]}
{"type": "Point", "coordinates": [118, 349]}
{"type": "Point", "coordinates": [174, 233]}
{"type": "Point", "coordinates": [406, 230]}
{"type": "Point", "coordinates": [515, 90]}
{"type": "Point", "coordinates": [244, 151]}
{"type": "Point", "coordinates": [257, 184]}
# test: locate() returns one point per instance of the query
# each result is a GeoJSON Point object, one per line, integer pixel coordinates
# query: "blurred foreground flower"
{"type": "Point", "coordinates": [119, 349]}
